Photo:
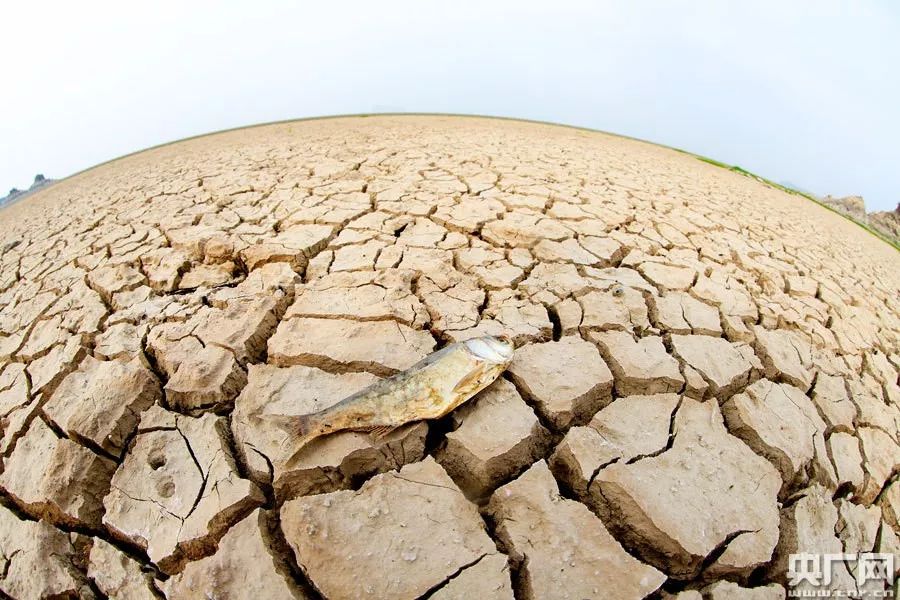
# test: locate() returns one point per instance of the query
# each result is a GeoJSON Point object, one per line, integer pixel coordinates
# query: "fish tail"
{"type": "Point", "coordinates": [305, 426]}
{"type": "Point", "coordinates": [301, 430]}
{"type": "Point", "coordinates": [301, 427]}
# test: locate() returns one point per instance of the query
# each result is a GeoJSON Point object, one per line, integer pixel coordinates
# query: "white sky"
{"type": "Point", "coordinates": [806, 92]}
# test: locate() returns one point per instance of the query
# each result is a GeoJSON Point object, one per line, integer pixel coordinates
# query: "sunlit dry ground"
{"type": "Point", "coordinates": [706, 379]}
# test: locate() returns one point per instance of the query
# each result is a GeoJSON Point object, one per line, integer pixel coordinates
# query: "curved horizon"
{"type": "Point", "coordinates": [800, 92]}
{"type": "Point", "coordinates": [734, 168]}
{"type": "Point", "coordinates": [363, 115]}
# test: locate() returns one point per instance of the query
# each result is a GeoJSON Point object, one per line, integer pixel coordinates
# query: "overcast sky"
{"type": "Point", "coordinates": [805, 92]}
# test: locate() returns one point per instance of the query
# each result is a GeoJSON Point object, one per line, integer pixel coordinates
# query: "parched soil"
{"type": "Point", "coordinates": [705, 381]}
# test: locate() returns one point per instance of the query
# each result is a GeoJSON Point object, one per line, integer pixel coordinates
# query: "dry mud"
{"type": "Point", "coordinates": [706, 377]}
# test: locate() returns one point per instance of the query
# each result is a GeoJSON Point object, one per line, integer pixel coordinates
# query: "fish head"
{"type": "Point", "coordinates": [491, 350]}
{"type": "Point", "coordinates": [491, 355]}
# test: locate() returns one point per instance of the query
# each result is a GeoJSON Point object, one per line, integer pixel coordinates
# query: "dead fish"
{"type": "Point", "coordinates": [430, 389]}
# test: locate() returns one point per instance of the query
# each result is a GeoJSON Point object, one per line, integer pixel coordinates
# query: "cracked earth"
{"type": "Point", "coordinates": [706, 375]}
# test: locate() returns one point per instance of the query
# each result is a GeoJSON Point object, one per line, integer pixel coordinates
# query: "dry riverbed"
{"type": "Point", "coordinates": [706, 377]}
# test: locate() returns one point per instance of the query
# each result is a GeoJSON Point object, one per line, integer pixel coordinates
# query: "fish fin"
{"type": "Point", "coordinates": [467, 382]}
{"type": "Point", "coordinates": [380, 431]}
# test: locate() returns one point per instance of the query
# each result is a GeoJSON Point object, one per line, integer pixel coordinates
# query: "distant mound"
{"type": "Point", "coordinates": [14, 194]}
{"type": "Point", "coordinates": [885, 222]}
